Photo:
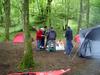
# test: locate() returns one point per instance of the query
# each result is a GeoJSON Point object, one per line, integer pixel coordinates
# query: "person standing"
{"type": "Point", "coordinates": [51, 37]}
{"type": "Point", "coordinates": [69, 38]}
{"type": "Point", "coordinates": [43, 39]}
{"type": "Point", "coordinates": [39, 35]}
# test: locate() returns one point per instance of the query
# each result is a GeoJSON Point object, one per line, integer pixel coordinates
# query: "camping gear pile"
{"type": "Point", "coordinates": [51, 46]}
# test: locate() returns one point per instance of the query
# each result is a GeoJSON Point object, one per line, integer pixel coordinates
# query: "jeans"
{"type": "Point", "coordinates": [68, 47]}
{"type": "Point", "coordinates": [38, 44]}
{"type": "Point", "coordinates": [42, 42]}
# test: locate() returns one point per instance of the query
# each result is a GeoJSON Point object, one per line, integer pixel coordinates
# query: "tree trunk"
{"type": "Point", "coordinates": [1, 19]}
{"type": "Point", "coordinates": [1, 14]}
{"type": "Point", "coordinates": [7, 18]}
{"type": "Point", "coordinates": [38, 6]}
{"type": "Point", "coordinates": [87, 12]}
{"type": "Point", "coordinates": [27, 61]}
{"type": "Point", "coordinates": [48, 10]}
{"type": "Point", "coordinates": [41, 7]}
{"type": "Point", "coordinates": [67, 8]}
{"type": "Point", "coordinates": [80, 16]}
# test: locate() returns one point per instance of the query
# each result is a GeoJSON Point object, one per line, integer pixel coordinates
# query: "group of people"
{"type": "Point", "coordinates": [44, 36]}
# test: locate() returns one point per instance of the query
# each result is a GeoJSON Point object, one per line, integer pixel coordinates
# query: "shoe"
{"type": "Point", "coordinates": [65, 53]}
{"type": "Point", "coordinates": [42, 47]}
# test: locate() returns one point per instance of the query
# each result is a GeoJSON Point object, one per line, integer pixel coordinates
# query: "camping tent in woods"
{"type": "Point", "coordinates": [90, 42]}
{"type": "Point", "coordinates": [19, 37]}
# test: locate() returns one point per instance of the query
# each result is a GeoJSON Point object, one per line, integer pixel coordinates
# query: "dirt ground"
{"type": "Point", "coordinates": [10, 56]}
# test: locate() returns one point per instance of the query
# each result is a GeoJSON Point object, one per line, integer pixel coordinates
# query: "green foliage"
{"type": "Point", "coordinates": [95, 11]}
{"type": "Point", "coordinates": [38, 14]}
{"type": "Point", "coordinates": [39, 17]}
{"type": "Point", "coordinates": [61, 15]}
{"type": "Point", "coordinates": [2, 37]}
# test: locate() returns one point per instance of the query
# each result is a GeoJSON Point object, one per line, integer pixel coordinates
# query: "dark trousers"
{"type": "Point", "coordinates": [68, 47]}
{"type": "Point", "coordinates": [42, 42]}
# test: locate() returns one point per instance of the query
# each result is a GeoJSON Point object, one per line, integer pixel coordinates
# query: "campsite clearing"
{"type": "Point", "coordinates": [10, 56]}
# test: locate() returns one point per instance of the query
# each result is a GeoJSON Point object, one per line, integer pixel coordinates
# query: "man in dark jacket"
{"type": "Point", "coordinates": [51, 34]}
{"type": "Point", "coordinates": [51, 37]}
{"type": "Point", "coordinates": [69, 38]}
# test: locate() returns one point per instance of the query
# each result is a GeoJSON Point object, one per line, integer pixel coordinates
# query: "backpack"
{"type": "Point", "coordinates": [52, 35]}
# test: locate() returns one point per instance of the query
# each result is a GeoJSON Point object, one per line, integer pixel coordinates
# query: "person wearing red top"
{"type": "Point", "coordinates": [77, 41]}
{"type": "Point", "coordinates": [39, 37]}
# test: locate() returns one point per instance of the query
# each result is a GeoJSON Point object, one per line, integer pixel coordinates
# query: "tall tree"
{"type": "Point", "coordinates": [80, 16]}
{"type": "Point", "coordinates": [38, 6]}
{"type": "Point", "coordinates": [7, 18]}
{"type": "Point", "coordinates": [87, 12]}
{"type": "Point", "coordinates": [1, 13]}
{"type": "Point", "coordinates": [27, 60]}
{"type": "Point", "coordinates": [67, 11]}
{"type": "Point", "coordinates": [41, 6]}
{"type": "Point", "coordinates": [48, 10]}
